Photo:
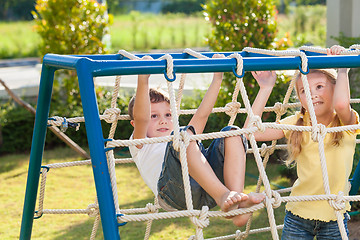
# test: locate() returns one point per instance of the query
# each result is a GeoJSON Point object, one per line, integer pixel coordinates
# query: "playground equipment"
{"type": "Point", "coordinates": [101, 150]}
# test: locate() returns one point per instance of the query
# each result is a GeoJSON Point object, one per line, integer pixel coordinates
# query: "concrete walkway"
{"type": "Point", "coordinates": [23, 77]}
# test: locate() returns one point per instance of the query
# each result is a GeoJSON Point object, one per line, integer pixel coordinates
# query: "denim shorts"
{"type": "Point", "coordinates": [170, 184]}
{"type": "Point", "coordinates": [298, 228]}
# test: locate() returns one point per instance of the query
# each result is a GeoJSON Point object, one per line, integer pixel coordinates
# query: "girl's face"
{"type": "Point", "coordinates": [322, 91]}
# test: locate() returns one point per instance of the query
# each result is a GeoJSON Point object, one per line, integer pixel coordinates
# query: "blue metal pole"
{"type": "Point", "coordinates": [355, 181]}
{"type": "Point", "coordinates": [97, 150]}
{"type": "Point", "coordinates": [37, 148]}
{"type": "Point", "coordinates": [105, 65]}
{"type": "Point", "coordinates": [128, 67]}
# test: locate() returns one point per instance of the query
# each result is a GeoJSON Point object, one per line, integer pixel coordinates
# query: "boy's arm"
{"type": "Point", "coordinates": [266, 81]}
{"type": "Point", "coordinates": [141, 110]}
{"type": "Point", "coordinates": [341, 99]}
{"type": "Point", "coordinates": [198, 121]}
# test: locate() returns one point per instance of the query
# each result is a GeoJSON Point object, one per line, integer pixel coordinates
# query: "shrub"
{"type": "Point", "coordinates": [70, 27]}
{"type": "Point", "coordinates": [183, 6]}
{"type": "Point", "coordinates": [239, 24]}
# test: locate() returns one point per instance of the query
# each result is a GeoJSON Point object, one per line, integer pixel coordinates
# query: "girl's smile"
{"type": "Point", "coordinates": [322, 91]}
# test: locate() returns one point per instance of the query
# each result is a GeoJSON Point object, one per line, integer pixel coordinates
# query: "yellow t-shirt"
{"type": "Point", "coordinates": [339, 162]}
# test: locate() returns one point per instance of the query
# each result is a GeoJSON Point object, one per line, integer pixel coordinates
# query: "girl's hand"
{"type": "Point", "coordinates": [265, 79]}
{"type": "Point", "coordinates": [218, 55]}
{"type": "Point", "coordinates": [335, 50]}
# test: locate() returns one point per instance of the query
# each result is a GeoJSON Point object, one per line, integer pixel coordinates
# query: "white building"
{"type": "Point", "coordinates": [342, 17]}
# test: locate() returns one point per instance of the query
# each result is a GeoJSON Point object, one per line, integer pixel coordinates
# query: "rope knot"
{"type": "Point", "coordinates": [203, 220]}
{"type": "Point", "coordinates": [111, 115]}
{"type": "Point", "coordinates": [318, 131]}
{"type": "Point", "coordinates": [93, 210]}
{"type": "Point", "coordinates": [232, 108]}
{"type": "Point", "coordinates": [277, 199]}
{"type": "Point", "coordinates": [280, 109]}
{"type": "Point", "coordinates": [265, 150]}
{"type": "Point", "coordinates": [339, 203]}
{"type": "Point", "coordinates": [238, 235]}
{"type": "Point", "coordinates": [185, 137]}
{"type": "Point", "coordinates": [151, 208]}
{"type": "Point", "coordinates": [256, 121]}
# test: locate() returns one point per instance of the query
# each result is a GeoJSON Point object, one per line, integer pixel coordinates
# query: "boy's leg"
{"type": "Point", "coordinates": [234, 163]}
{"type": "Point", "coordinates": [202, 172]}
{"type": "Point", "coordinates": [206, 186]}
{"type": "Point", "coordinates": [234, 172]}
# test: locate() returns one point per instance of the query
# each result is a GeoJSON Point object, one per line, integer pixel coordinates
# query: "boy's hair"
{"type": "Point", "coordinates": [295, 138]}
{"type": "Point", "coordinates": [156, 96]}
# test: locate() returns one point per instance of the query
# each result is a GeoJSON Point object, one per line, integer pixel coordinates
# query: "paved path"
{"type": "Point", "coordinates": [23, 77]}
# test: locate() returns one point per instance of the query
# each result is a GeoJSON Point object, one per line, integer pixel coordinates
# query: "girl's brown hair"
{"type": "Point", "coordinates": [295, 138]}
{"type": "Point", "coordinates": [156, 96]}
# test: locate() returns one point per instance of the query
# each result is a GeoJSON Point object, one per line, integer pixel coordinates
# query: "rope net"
{"type": "Point", "coordinates": [201, 218]}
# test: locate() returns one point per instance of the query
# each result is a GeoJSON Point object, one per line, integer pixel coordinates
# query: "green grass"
{"type": "Point", "coordinates": [149, 31]}
{"type": "Point", "coordinates": [142, 32]}
{"type": "Point", "coordinates": [18, 39]}
{"type": "Point", "coordinates": [139, 32]}
{"type": "Point", "coordinates": [73, 187]}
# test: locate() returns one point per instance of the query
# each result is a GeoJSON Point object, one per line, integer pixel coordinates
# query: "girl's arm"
{"type": "Point", "coordinates": [141, 110]}
{"type": "Point", "coordinates": [266, 81]}
{"type": "Point", "coordinates": [341, 99]}
{"type": "Point", "coordinates": [198, 121]}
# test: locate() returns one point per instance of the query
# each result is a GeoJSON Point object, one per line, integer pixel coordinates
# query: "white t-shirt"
{"type": "Point", "coordinates": [149, 160]}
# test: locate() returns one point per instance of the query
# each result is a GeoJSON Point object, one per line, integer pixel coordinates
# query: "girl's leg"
{"type": "Point", "coordinates": [330, 230]}
{"type": "Point", "coordinates": [297, 228]}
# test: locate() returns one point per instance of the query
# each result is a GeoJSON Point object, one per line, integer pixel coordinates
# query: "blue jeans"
{"type": "Point", "coordinates": [298, 228]}
{"type": "Point", "coordinates": [170, 184]}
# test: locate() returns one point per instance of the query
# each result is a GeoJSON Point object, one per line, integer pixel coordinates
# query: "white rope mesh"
{"type": "Point", "coordinates": [181, 140]}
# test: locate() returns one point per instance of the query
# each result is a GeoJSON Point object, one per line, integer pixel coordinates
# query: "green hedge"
{"type": "Point", "coordinates": [17, 128]}
{"type": "Point", "coordinates": [17, 124]}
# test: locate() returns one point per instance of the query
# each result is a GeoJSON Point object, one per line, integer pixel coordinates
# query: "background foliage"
{"type": "Point", "coordinates": [239, 24]}
{"type": "Point", "coordinates": [70, 27]}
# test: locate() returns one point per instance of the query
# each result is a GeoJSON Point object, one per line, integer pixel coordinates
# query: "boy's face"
{"type": "Point", "coordinates": [161, 124]}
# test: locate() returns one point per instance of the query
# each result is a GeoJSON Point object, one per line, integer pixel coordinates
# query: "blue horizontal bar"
{"type": "Point", "coordinates": [107, 65]}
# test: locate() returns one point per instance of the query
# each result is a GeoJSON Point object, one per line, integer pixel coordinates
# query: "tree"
{"type": "Point", "coordinates": [238, 24]}
{"type": "Point", "coordinates": [71, 27]}
{"type": "Point", "coordinates": [16, 9]}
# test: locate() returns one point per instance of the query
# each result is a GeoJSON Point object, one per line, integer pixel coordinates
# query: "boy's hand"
{"type": "Point", "coordinates": [265, 79]}
{"type": "Point", "coordinates": [218, 75]}
{"type": "Point", "coordinates": [145, 76]}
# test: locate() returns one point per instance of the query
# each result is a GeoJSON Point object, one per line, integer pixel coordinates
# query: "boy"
{"type": "Point", "coordinates": [217, 174]}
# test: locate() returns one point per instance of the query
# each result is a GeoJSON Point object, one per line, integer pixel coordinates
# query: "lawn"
{"type": "Point", "coordinates": [131, 32]}
{"type": "Point", "coordinates": [73, 188]}
{"type": "Point", "coordinates": [143, 32]}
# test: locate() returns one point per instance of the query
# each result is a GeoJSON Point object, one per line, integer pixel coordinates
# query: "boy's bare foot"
{"type": "Point", "coordinates": [230, 200]}
{"type": "Point", "coordinates": [253, 199]}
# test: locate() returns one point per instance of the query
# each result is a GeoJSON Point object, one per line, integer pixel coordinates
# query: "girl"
{"type": "Point", "coordinates": [331, 100]}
